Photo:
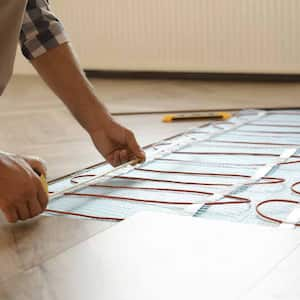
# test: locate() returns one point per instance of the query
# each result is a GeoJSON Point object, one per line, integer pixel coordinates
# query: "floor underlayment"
{"type": "Point", "coordinates": [218, 171]}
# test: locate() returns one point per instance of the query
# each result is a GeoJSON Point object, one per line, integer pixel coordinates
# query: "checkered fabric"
{"type": "Point", "coordinates": [41, 30]}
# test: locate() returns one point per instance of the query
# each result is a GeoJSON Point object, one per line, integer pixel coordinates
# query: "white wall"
{"type": "Point", "coordinates": [184, 35]}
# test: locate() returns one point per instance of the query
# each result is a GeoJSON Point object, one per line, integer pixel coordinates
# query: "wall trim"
{"type": "Point", "coordinates": [115, 74]}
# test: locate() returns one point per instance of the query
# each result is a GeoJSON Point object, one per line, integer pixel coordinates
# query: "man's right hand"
{"type": "Point", "coordinates": [22, 195]}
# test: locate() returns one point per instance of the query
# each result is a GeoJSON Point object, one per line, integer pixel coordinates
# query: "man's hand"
{"type": "Point", "coordinates": [117, 144]}
{"type": "Point", "coordinates": [22, 194]}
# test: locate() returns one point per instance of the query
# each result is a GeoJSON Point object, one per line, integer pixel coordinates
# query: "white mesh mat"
{"type": "Point", "coordinates": [209, 163]}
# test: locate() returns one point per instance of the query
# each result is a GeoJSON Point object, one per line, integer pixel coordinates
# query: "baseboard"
{"type": "Point", "coordinates": [112, 74]}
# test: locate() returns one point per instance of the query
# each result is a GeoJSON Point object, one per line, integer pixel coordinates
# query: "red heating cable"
{"type": "Point", "coordinates": [273, 180]}
{"type": "Point", "coordinates": [113, 219]}
{"type": "Point", "coordinates": [238, 200]}
{"type": "Point", "coordinates": [272, 219]}
{"type": "Point", "coordinates": [293, 187]}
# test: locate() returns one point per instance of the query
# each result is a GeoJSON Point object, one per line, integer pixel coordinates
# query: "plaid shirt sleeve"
{"type": "Point", "coordinates": [41, 30]}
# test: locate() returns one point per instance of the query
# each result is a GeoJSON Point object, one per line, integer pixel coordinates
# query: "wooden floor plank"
{"type": "Point", "coordinates": [30, 243]}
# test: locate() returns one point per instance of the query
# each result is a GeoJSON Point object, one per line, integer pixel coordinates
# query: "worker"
{"type": "Point", "coordinates": [45, 44]}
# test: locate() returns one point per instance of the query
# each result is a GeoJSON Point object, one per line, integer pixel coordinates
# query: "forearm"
{"type": "Point", "coordinates": [61, 71]}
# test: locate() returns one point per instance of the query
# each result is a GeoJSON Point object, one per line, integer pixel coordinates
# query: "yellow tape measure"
{"type": "Point", "coordinates": [44, 183]}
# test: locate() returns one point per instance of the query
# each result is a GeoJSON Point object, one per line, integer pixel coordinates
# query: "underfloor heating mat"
{"type": "Point", "coordinates": [245, 170]}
